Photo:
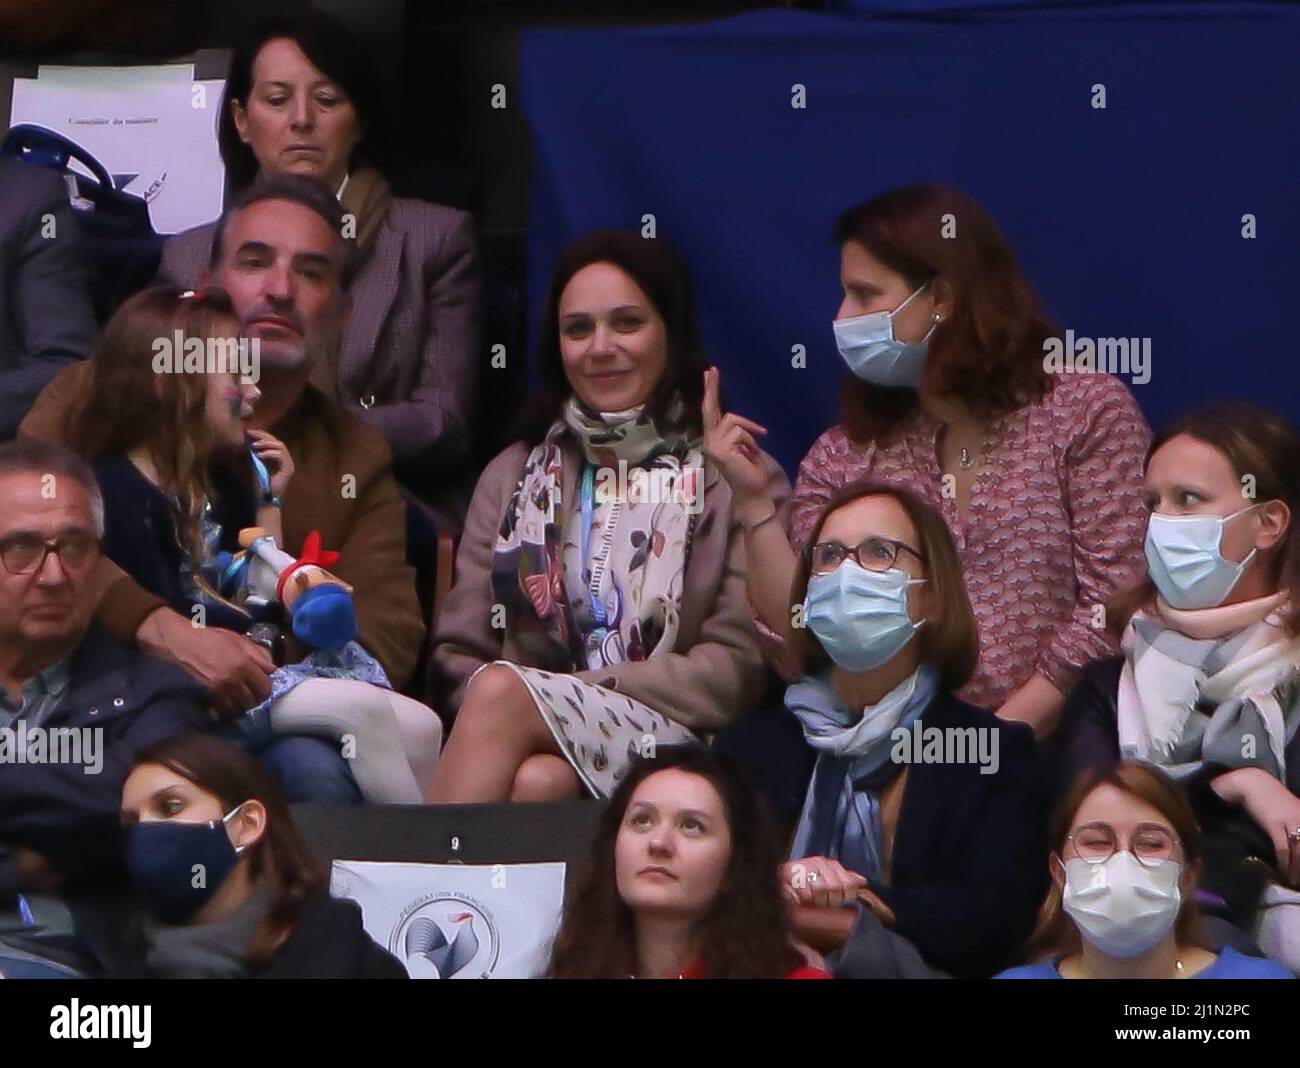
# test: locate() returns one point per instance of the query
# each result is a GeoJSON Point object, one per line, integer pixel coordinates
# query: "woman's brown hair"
{"type": "Point", "coordinates": [1261, 445]}
{"type": "Point", "coordinates": [127, 405]}
{"type": "Point", "coordinates": [989, 350]}
{"type": "Point", "coordinates": [745, 935]}
{"type": "Point", "coordinates": [1056, 936]}
{"type": "Point", "coordinates": [280, 860]}
{"type": "Point", "coordinates": [950, 637]}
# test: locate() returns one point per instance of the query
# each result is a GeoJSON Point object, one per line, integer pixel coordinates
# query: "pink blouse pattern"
{"type": "Point", "coordinates": [1055, 523]}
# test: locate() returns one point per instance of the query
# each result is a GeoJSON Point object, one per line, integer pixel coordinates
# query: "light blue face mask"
{"type": "Point", "coordinates": [860, 617]}
{"type": "Point", "coordinates": [1185, 560]}
{"type": "Point", "coordinates": [869, 347]}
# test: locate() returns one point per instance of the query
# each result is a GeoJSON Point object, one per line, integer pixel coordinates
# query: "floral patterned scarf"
{"type": "Point", "coordinates": [528, 558]}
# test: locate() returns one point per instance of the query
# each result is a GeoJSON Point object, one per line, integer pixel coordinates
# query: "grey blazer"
{"type": "Point", "coordinates": [46, 320]}
{"type": "Point", "coordinates": [408, 360]}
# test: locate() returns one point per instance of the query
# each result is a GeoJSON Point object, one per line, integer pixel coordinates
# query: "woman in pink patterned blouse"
{"type": "Point", "coordinates": [1038, 475]}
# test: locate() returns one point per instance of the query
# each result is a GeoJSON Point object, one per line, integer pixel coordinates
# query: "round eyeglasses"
{"type": "Point", "coordinates": [876, 553]}
{"type": "Point", "coordinates": [1150, 843]}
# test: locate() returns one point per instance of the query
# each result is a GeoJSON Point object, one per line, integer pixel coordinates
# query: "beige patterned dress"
{"type": "Point", "coordinates": [598, 729]}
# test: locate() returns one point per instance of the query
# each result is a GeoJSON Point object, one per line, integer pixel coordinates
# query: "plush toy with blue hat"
{"type": "Point", "coordinates": [318, 604]}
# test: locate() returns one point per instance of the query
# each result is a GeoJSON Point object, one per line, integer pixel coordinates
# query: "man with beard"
{"type": "Point", "coordinates": [280, 253]}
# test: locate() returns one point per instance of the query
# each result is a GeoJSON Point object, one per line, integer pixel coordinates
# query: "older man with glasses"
{"type": "Point", "coordinates": [74, 705]}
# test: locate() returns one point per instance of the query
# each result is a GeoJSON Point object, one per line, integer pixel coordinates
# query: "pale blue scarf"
{"type": "Point", "coordinates": [839, 820]}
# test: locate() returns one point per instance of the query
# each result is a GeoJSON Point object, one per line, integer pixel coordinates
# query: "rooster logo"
{"type": "Point", "coordinates": [427, 946]}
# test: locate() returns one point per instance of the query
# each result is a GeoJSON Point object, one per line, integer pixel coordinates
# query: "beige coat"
{"type": "Point", "coordinates": [714, 673]}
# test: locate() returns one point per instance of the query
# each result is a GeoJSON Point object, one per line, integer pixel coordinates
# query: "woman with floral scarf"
{"type": "Point", "coordinates": [599, 607]}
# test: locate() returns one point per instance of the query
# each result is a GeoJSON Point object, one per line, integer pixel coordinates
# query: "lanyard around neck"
{"type": "Point", "coordinates": [595, 574]}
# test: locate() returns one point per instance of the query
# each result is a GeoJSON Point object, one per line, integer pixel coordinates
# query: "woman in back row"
{"type": "Point", "coordinates": [1037, 475]}
{"type": "Point", "coordinates": [300, 100]}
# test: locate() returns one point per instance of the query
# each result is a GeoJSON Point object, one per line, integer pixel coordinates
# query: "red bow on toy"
{"type": "Point", "coordinates": [312, 555]}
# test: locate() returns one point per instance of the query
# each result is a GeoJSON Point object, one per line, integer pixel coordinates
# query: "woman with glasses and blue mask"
{"type": "Point", "coordinates": [1124, 872]}
{"type": "Point", "coordinates": [1208, 686]}
{"type": "Point", "coordinates": [198, 805]}
{"type": "Point", "coordinates": [949, 391]}
{"type": "Point", "coordinates": [922, 837]}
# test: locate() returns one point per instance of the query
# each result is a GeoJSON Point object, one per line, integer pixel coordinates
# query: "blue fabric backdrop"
{"type": "Point", "coordinates": [1128, 220]}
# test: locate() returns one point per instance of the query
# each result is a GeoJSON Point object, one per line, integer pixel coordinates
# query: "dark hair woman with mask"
{"type": "Point", "coordinates": [1208, 686]}
{"type": "Point", "coordinates": [682, 881]}
{"type": "Point", "coordinates": [1124, 871]}
{"type": "Point", "coordinates": [197, 803]}
{"type": "Point", "coordinates": [922, 837]}
{"type": "Point", "coordinates": [951, 390]}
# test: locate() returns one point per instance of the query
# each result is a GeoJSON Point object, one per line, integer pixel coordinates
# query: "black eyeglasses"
{"type": "Point", "coordinates": [876, 553]}
{"type": "Point", "coordinates": [22, 554]}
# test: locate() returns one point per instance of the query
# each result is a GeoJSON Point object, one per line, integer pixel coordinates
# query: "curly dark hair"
{"type": "Point", "coordinates": [746, 933]}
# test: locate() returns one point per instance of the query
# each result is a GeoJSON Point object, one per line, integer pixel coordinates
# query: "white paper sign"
{"type": "Point", "coordinates": [458, 921]}
{"type": "Point", "coordinates": [155, 126]}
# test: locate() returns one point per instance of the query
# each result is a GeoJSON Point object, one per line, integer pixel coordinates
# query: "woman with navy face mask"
{"type": "Point", "coordinates": [1208, 686]}
{"type": "Point", "coordinates": [921, 840]}
{"type": "Point", "coordinates": [228, 888]}
{"type": "Point", "coordinates": [948, 390]}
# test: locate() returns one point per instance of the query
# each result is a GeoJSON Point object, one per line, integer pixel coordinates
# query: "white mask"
{"type": "Point", "coordinates": [1122, 907]}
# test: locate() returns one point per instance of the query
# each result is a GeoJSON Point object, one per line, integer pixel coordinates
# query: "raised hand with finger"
{"type": "Point", "coordinates": [731, 442]}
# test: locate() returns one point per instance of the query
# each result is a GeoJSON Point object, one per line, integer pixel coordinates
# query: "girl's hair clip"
{"type": "Point", "coordinates": [195, 295]}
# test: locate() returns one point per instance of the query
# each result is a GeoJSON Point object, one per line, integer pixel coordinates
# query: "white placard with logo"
{"type": "Point", "coordinates": [458, 921]}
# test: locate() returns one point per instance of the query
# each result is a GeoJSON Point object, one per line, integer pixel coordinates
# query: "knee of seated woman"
{"type": "Point", "coordinates": [492, 688]}
{"type": "Point", "coordinates": [545, 778]}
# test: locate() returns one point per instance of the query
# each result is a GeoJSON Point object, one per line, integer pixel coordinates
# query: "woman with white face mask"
{"type": "Point", "coordinates": [949, 390]}
{"type": "Point", "coordinates": [1124, 873]}
{"type": "Point", "coordinates": [922, 836]}
{"type": "Point", "coordinates": [1208, 687]}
